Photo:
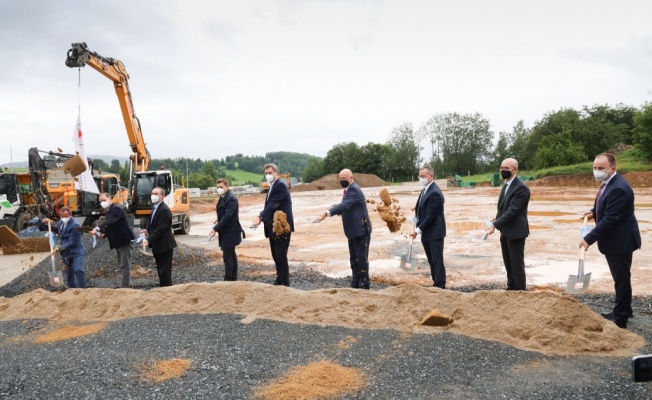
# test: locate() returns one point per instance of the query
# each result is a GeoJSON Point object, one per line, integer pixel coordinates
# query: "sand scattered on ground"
{"type": "Point", "coordinates": [162, 370]}
{"type": "Point", "coordinates": [70, 332]}
{"type": "Point", "coordinates": [318, 380]}
{"type": "Point", "coordinates": [544, 322]}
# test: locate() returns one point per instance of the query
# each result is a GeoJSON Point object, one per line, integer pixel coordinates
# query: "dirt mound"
{"type": "Point", "coordinates": [332, 181]}
{"type": "Point", "coordinates": [637, 179]}
{"type": "Point", "coordinates": [544, 322]}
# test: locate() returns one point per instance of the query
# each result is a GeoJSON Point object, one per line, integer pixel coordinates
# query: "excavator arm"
{"type": "Point", "coordinates": [79, 56]}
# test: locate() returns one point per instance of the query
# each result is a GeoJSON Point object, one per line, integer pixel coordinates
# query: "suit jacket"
{"type": "Point", "coordinates": [512, 214]}
{"type": "Point", "coordinates": [116, 227]}
{"type": "Point", "coordinates": [278, 198]}
{"type": "Point", "coordinates": [353, 209]}
{"type": "Point", "coordinates": [616, 229]}
{"type": "Point", "coordinates": [161, 237]}
{"type": "Point", "coordinates": [228, 221]}
{"type": "Point", "coordinates": [70, 239]}
{"type": "Point", "coordinates": [429, 211]}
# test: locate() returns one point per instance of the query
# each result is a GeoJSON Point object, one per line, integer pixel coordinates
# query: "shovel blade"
{"type": "Point", "coordinates": [56, 278]}
{"type": "Point", "coordinates": [578, 284]}
{"type": "Point", "coordinates": [408, 264]}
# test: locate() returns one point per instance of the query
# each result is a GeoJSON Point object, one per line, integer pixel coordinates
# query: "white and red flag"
{"type": "Point", "coordinates": [85, 182]}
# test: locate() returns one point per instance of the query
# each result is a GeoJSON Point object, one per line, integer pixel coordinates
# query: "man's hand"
{"type": "Point", "coordinates": [587, 214]}
{"type": "Point", "coordinates": [256, 221]}
{"type": "Point", "coordinates": [212, 232]}
{"type": "Point", "coordinates": [145, 243]}
{"type": "Point", "coordinates": [323, 216]}
{"type": "Point", "coordinates": [491, 229]}
{"type": "Point", "coordinates": [143, 231]}
{"type": "Point", "coordinates": [93, 232]}
{"type": "Point", "coordinates": [584, 245]}
{"type": "Point", "coordinates": [413, 235]}
{"type": "Point", "coordinates": [46, 221]}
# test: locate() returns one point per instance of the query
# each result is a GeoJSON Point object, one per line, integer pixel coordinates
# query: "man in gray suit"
{"type": "Point", "coordinates": [511, 221]}
{"type": "Point", "coordinates": [357, 228]}
{"type": "Point", "coordinates": [431, 224]}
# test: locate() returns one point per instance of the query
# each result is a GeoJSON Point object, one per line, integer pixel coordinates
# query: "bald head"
{"type": "Point", "coordinates": [345, 174]}
{"type": "Point", "coordinates": [508, 168]}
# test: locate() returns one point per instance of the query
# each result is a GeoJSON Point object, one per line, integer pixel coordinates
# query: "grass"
{"type": "Point", "coordinates": [241, 177]}
{"type": "Point", "coordinates": [628, 160]}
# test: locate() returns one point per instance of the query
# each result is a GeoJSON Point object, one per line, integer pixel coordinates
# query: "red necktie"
{"type": "Point", "coordinates": [597, 198]}
{"type": "Point", "coordinates": [344, 194]}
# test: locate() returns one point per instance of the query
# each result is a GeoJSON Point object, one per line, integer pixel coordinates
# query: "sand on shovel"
{"type": "Point", "coordinates": [544, 322]}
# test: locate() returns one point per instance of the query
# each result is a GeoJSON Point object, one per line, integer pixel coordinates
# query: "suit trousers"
{"type": "Point", "coordinates": [435, 253]}
{"type": "Point", "coordinates": [124, 262]}
{"type": "Point", "coordinates": [164, 267]}
{"type": "Point", "coordinates": [620, 266]}
{"type": "Point", "coordinates": [279, 246]}
{"type": "Point", "coordinates": [75, 274]}
{"type": "Point", "coordinates": [359, 258]}
{"type": "Point", "coordinates": [230, 264]}
{"type": "Point", "coordinates": [514, 260]}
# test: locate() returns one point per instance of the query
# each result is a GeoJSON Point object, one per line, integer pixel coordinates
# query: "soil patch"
{"type": "Point", "coordinates": [544, 322]}
{"type": "Point", "coordinates": [637, 179]}
{"type": "Point", "coordinates": [318, 380]}
{"type": "Point", "coordinates": [70, 332]}
{"type": "Point", "coordinates": [162, 370]}
{"type": "Point", "coordinates": [332, 181]}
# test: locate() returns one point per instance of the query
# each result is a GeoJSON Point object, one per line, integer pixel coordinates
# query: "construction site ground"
{"type": "Point", "coordinates": [551, 251]}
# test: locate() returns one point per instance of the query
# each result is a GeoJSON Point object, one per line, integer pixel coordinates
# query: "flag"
{"type": "Point", "coordinates": [85, 182]}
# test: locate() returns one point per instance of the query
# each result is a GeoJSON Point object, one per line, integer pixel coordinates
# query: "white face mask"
{"type": "Point", "coordinates": [220, 191]}
{"type": "Point", "coordinates": [269, 178]}
{"type": "Point", "coordinates": [105, 204]}
{"type": "Point", "coordinates": [155, 199]}
{"type": "Point", "coordinates": [600, 176]}
{"type": "Point", "coordinates": [423, 181]}
{"type": "Point", "coordinates": [65, 219]}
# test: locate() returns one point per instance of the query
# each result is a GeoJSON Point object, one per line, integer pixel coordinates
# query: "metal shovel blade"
{"type": "Point", "coordinates": [407, 262]}
{"type": "Point", "coordinates": [485, 235]}
{"type": "Point", "coordinates": [578, 284]}
{"type": "Point", "coordinates": [56, 277]}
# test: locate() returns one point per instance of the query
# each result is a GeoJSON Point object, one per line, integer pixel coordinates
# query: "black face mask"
{"type": "Point", "coordinates": [344, 183]}
{"type": "Point", "coordinates": [506, 174]}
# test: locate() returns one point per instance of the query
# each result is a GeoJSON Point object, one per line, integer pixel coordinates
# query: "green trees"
{"type": "Point", "coordinates": [643, 131]}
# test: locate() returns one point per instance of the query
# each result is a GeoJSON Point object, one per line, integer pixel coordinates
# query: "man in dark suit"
{"type": "Point", "coordinates": [117, 230]}
{"type": "Point", "coordinates": [357, 228]}
{"type": "Point", "coordinates": [160, 236]}
{"type": "Point", "coordinates": [431, 224]}
{"type": "Point", "coordinates": [70, 247]}
{"type": "Point", "coordinates": [227, 225]}
{"type": "Point", "coordinates": [616, 232]}
{"type": "Point", "coordinates": [511, 221]}
{"type": "Point", "coordinates": [278, 199]}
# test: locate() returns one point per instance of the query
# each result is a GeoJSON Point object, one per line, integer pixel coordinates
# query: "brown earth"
{"type": "Point", "coordinates": [332, 181]}
{"type": "Point", "coordinates": [159, 371]}
{"type": "Point", "coordinates": [637, 179]}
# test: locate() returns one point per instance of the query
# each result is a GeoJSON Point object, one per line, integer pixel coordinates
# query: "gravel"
{"type": "Point", "coordinates": [231, 359]}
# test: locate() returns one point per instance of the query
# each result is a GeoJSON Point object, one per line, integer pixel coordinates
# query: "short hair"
{"type": "Point", "coordinates": [160, 190]}
{"type": "Point", "coordinates": [105, 194]}
{"type": "Point", "coordinates": [222, 180]}
{"type": "Point", "coordinates": [65, 209]}
{"type": "Point", "coordinates": [429, 169]}
{"type": "Point", "coordinates": [610, 157]}
{"type": "Point", "coordinates": [272, 166]}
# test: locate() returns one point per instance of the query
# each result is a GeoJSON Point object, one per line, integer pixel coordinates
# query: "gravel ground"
{"type": "Point", "coordinates": [231, 360]}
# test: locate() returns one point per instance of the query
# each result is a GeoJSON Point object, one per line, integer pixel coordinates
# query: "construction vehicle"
{"type": "Point", "coordinates": [285, 178]}
{"type": "Point", "coordinates": [142, 180]}
{"type": "Point", "coordinates": [48, 187]}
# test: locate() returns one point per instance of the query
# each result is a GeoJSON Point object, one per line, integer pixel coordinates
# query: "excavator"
{"type": "Point", "coordinates": [285, 178]}
{"type": "Point", "coordinates": [142, 180]}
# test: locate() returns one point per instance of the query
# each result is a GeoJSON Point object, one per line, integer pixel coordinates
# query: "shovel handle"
{"type": "Point", "coordinates": [586, 220]}
{"type": "Point", "coordinates": [582, 251]}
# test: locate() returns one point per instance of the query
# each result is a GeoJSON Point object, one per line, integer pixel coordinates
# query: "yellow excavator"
{"type": "Point", "coordinates": [142, 180]}
{"type": "Point", "coordinates": [264, 187]}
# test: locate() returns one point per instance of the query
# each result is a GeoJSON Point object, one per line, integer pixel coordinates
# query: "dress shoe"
{"type": "Point", "coordinates": [620, 322]}
{"type": "Point", "coordinates": [607, 315]}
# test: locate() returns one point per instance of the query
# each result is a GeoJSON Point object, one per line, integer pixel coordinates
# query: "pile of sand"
{"type": "Point", "coordinates": [332, 181]}
{"type": "Point", "coordinates": [389, 210]}
{"type": "Point", "coordinates": [545, 322]}
{"type": "Point", "coordinates": [318, 380]}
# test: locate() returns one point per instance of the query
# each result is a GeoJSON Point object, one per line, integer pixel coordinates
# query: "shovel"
{"type": "Point", "coordinates": [407, 262]}
{"type": "Point", "coordinates": [56, 278]}
{"type": "Point", "coordinates": [578, 284]}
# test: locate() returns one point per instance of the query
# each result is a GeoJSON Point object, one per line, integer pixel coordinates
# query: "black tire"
{"type": "Point", "coordinates": [21, 220]}
{"type": "Point", "coordinates": [185, 225]}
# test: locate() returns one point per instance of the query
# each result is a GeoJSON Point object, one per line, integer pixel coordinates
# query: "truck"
{"type": "Point", "coordinates": [141, 179]}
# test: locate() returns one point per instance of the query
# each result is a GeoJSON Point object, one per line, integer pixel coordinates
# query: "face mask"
{"type": "Point", "coordinates": [155, 199]}
{"type": "Point", "coordinates": [423, 181]}
{"type": "Point", "coordinates": [65, 219]}
{"type": "Point", "coordinates": [105, 204]}
{"type": "Point", "coordinates": [506, 174]}
{"type": "Point", "coordinates": [600, 176]}
{"type": "Point", "coordinates": [269, 178]}
{"type": "Point", "coordinates": [220, 191]}
{"type": "Point", "coordinates": [344, 183]}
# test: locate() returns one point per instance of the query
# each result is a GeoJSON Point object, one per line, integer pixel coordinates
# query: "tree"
{"type": "Point", "coordinates": [200, 180]}
{"type": "Point", "coordinates": [559, 149]}
{"type": "Point", "coordinates": [375, 160]}
{"type": "Point", "coordinates": [405, 158]}
{"type": "Point", "coordinates": [115, 166]}
{"type": "Point", "coordinates": [342, 155]}
{"type": "Point", "coordinates": [100, 165]}
{"type": "Point", "coordinates": [643, 130]}
{"type": "Point", "coordinates": [314, 170]}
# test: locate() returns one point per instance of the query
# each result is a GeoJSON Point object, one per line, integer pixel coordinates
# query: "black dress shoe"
{"type": "Point", "coordinates": [276, 282]}
{"type": "Point", "coordinates": [620, 322]}
{"type": "Point", "coordinates": [607, 315]}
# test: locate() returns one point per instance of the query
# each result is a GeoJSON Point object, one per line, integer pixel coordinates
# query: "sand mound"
{"type": "Point", "coordinates": [70, 332]}
{"type": "Point", "coordinates": [318, 380]}
{"type": "Point", "coordinates": [545, 322]}
{"type": "Point", "coordinates": [332, 181]}
{"type": "Point", "coordinates": [160, 370]}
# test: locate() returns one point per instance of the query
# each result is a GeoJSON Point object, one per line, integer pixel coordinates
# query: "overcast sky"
{"type": "Point", "coordinates": [214, 78]}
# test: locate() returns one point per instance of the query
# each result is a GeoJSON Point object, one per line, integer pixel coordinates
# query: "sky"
{"type": "Point", "coordinates": [217, 78]}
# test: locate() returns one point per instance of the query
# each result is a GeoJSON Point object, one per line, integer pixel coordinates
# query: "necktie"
{"type": "Point", "coordinates": [501, 199]}
{"type": "Point", "coordinates": [344, 193]}
{"type": "Point", "coordinates": [423, 191]}
{"type": "Point", "coordinates": [597, 198]}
